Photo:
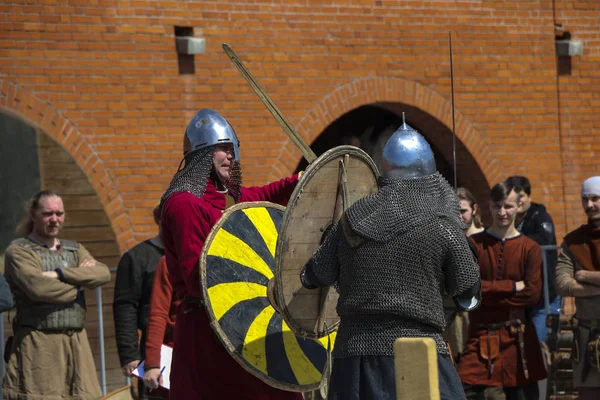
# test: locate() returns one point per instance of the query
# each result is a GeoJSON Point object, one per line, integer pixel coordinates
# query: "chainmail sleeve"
{"type": "Point", "coordinates": [323, 267]}
{"type": "Point", "coordinates": [460, 266]}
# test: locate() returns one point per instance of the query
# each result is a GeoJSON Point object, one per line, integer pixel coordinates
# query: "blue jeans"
{"type": "Point", "coordinates": [539, 318]}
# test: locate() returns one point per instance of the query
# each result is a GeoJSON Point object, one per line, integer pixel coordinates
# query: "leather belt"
{"type": "Point", "coordinates": [515, 326]}
{"type": "Point", "coordinates": [195, 302]}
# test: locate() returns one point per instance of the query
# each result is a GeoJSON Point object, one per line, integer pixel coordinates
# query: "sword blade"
{"type": "Point", "coordinates": [307, 152]}
{"type": "Point", "coordinates": [453, 124]}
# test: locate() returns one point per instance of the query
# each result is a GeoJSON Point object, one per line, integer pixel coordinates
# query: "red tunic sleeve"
{"type": "Point", "coordinates": [158, 316]}
{"type": "Point", "coordinates": [186, 223]}
{"type": "Point", "coordinates": [491, 290]}
{"type": "Point", "coordinates": [276, 192]}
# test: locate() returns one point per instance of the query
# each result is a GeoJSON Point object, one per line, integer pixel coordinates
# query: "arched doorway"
{"type": "Point", "coordinates": [31, 161]}
{"type": "Point", "coordinates": [370, 126]}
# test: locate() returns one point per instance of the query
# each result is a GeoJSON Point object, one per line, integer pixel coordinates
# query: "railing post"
{"type": "Point", "coordinates": [545, 249]}
{"type": "Point", "coordinates": [101, 340]}
{"type": "Point", "coordinates": [546, 290]}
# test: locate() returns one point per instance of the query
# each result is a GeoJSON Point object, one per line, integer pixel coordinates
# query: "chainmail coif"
{"type": "Point", "coordinates": [401, 204]}
{"type": "Point", "coordinates": [391, 257]}
{"type": "Point", "coordinates": [194, 175]}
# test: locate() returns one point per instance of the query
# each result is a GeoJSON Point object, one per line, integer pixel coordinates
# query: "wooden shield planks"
{"type": "Point", "coordinates": [317, 201]}
{"type": "Point", "coordinates": [236, 264]}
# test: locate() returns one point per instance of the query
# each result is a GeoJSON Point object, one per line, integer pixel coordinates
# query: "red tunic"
{"type": "Point", "coordinates": [201, 367]}
{"type": "Point", "coordinates": [161, 321]}
{"type": "Point", "coordinates": [502, 264]}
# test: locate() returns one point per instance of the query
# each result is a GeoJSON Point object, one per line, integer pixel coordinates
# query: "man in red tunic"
{"type": "Point", "coordinates": [502, 349]}
{"type": "Point", "coordinates": [197, 196]}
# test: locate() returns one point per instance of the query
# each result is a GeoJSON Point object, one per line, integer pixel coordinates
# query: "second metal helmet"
{"type": "Point", "coordinates": [209, 128]}
{"type": "Point", "coordinates": [407, 154]}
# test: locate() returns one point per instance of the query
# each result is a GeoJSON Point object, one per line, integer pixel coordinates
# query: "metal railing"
{"type": "Point", "coordinates": [99, 310]}
{"type": "Point", "coordinates": [545, 250]}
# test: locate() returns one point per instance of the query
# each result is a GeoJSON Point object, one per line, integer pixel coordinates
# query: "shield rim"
{"type": "Point", "coordinates": [308, 174]}
{"type": "Point", "coordinates": [214, 323]}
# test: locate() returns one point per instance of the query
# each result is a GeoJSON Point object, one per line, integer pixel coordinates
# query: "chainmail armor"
{"type": "Point", "coordinates": [193, 177]}
{"type": "Point", "coordinates": [401, 204]}
{"type": "Point", "coordinates": [391, 257]}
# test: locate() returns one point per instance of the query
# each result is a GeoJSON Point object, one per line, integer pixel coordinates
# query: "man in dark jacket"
{"type": "Point", "coordinates": [534, 222]}
{"type": "Point", "coordinates": [133, 287]}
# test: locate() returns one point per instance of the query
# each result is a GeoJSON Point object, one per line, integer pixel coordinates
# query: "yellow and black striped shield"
{"type": "Point", "coordinates": [236, 265]}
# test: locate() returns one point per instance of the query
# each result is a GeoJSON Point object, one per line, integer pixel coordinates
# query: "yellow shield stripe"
{"type": "Point", "coordinates": [303, 368]}
{"type": "Point", "coordinates": [228, 246]}
{"type": "Point", "coordinates": [265, 226]}
{"type": "Point", "coordinates": [254, 350]}
{"type": "Point", "coordinates": [226, 295]}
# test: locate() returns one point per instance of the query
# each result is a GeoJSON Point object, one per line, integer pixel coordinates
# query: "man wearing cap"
{"type": "Point", "coordinates": [209, 183]}
{"type": "Point", "coordinates": [578, 275]}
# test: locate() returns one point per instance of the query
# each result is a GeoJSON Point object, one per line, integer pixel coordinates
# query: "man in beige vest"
{"type": "Point", "coordinates": [50, 356]}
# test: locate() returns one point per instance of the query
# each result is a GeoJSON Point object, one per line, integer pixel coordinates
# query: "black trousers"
{"type": "Point", "coordinates": [372, 377]}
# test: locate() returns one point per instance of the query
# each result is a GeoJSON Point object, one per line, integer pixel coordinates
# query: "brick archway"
{"type": "Point", "coordinates": [16, 100]}
{"type": "Point", "coordinates": [373, 90]}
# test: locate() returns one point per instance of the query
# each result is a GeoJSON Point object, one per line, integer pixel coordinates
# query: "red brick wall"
{"type": "Point", "coordinates": [101, 78]}
{"type": "Point", "coordinates": [580, 103]}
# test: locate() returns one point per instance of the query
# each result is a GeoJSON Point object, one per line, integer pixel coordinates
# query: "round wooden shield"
{"type": "Point", "coordinates": [330, 184]}
{"type": "Point", "coordinates": [236, 264]}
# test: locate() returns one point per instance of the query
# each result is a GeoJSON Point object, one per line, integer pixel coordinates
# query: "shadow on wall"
{"type": "Point", "coordinates": [19, 173]}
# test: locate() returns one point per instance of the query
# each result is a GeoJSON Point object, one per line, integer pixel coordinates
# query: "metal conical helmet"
{"type": "Point", "coordinates": [407, 154]}
{"type": "Point", "coordinates": [209, 128]}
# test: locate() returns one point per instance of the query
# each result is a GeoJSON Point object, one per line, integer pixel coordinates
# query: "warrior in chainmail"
{"type": "Point", "coordinates": [391, 257]}
{"type": "Point", "coordinates": [209, 183]}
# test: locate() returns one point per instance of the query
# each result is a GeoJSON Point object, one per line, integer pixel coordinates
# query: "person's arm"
{"type": "Point", "coordinates": [323, 267]}
{"type": "Point", "coordinates": [589, 277]}
{"type": "Point", "coordinates": [126, 302]}
{"type": "Point", "coordinates": [158, 316]}
{"type": "Point", "coordinates": [160, 305]}
{"type": "Point", "coordinates": [23, 269]}
{"type": "Point", "coordinates": [494, 289]}
{"type": "Point", "coordinates": [90, 273]}
{"type": "Point", "coordinates": [528, 291]}
{"type": "Point", "coordinates": [566, 284]}
{"type": "Point", "coordinates": [276, 192]}
{"type": "Point", "coordinates": [462, 276]}
{"type": "Point", "coordinates": [543, 229]}
{"type": "Point", "coordinates": [189, 225]}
